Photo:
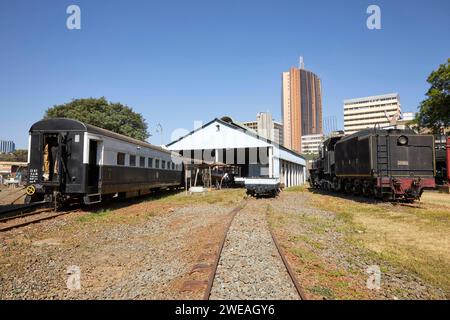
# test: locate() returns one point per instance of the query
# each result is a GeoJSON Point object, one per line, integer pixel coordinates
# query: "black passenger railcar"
{"type": "Point", "coordinates": [390, 164]}
{"type": "Point", "coordinates": [71, 160]}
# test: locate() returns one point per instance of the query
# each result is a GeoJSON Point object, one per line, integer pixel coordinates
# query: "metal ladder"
{"type": "Point", "coordinates": [383, 166]}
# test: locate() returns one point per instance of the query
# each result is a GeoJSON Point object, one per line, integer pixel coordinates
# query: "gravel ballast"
{"type": "Point", "coordinates": [250, 266]}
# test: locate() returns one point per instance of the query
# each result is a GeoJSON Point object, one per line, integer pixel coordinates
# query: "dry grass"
{"type": "Point", "coordinates": [414, 237]}
{"type": "Point", "coordinates": [140, 209]}
{"type": "Point", "coordinates": [224, 196]}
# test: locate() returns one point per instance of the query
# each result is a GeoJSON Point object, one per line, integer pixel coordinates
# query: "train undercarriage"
{"type": "Point", "coordinates": [406, 189]}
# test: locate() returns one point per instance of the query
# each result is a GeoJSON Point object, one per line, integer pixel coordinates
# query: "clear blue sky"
{"type": "Point", "coordinates": [180, 61]}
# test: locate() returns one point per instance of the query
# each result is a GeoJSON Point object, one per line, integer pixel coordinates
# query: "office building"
{"type": "Point", "coordinates": [266, 127]}
{"type": "Point", "coordinates": [368, 112]}
{"type": "Point", "coordinates": [311, 143]}
{"type": "Point", "coordinates": [7, 146]}
{"type": "Point", "coordinates": [408, 116]}
{"type": "Point", "coordinates": [301, 105]}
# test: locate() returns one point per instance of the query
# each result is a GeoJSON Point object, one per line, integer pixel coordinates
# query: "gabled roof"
{"type": "Point", "coordinates": [235, 126]}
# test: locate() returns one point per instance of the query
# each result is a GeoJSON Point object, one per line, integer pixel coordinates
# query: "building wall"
{"type": "Point", "coordinates": [362, 113]}
{"type": "Point", "coordinates": [311, 143]}
{"type": "Point", "coordinates": [301, 106]}
{"type": "Point", "coordinates": [279, 132]}
{"type": "Point", "coordinates": [7, 146]}
{"type": "Point", "coordinates": [408, 116]}
{"type": "Point", "coordinates": [286, 110]}
{"type": "Point", "coordinates": [266, 127]}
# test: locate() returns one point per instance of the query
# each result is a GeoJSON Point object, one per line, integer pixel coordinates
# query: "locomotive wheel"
{"type": "Point", "coordinates": [376, 192]}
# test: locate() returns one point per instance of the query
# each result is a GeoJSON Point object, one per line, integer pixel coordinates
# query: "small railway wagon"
{"type": "Point", "coordinates": [73, 161]}
{"type": "Point", "coordinates": [390, 164]}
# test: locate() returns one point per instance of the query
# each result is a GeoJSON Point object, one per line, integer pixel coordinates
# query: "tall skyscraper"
{"type": "Point", "coordinates": [301, 105]}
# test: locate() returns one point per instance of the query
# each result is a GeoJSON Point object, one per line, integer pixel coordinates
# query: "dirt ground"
{"type": "Point", "coordinates": [338, 244]}
{"type": "Point", "coordinates": [10, 196]}
{"type": "Point", "coordinates": [145, 249]}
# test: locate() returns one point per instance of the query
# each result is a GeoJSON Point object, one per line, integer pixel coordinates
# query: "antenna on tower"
{"type": "Point", "coordinates": [301, 63]}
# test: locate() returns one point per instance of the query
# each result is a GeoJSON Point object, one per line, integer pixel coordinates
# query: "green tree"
{"type": "Point", "coordinates": [101, 113]}
{"type": "Point", "coordinates": [17, 156]}
{"type": "Point", "coordinates": [434, 112]}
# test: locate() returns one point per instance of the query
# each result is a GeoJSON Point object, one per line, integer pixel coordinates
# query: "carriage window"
{"type": "Point", "coordinates": [163, 164]}
{"type": "Point", "coordinates": [150, 162]}
{"type": "Point", "coordinates": [142, 162]}
{"type": "Point", "coordinates": [157, 163]}
{"type": "Point", "coordinates": [120, 159]}
{"type": "Point", "coordinates": [132, 161]}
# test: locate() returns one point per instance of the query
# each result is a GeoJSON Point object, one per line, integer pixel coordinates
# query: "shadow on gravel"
{"type": "Point", "coordinates": [8, 207]}
{"type": "Point", "coordinates": [360, 199]}
{"type": "Point", "coordinates": [367, 200]}
{"type": "Point", "coordinates": [116, 203]}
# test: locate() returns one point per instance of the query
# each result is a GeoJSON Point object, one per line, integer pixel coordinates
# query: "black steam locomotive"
{"type": "Point", "coordinates": [391, 164]}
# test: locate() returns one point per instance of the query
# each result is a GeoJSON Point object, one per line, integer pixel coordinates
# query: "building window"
{"type": "Point", "coordinates": [163, 164]}
{"type": "Point", "coordinates": [157, 163]}
{"type": "Point", "coordinates": [132, 161]}
{"type": "Point", "coordinates": [120, 159]}
{"type": "Point", "coordinates": [150, 162]}
{"type": "Point", "coordinates": [173, 166]}
{"type": "Point", "coordinates": [142, 162]}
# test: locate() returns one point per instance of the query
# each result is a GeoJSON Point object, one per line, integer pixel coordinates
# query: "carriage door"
{"type": "Point", "coordinates": [93, 167]}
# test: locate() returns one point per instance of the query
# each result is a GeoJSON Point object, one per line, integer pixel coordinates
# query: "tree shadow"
{"type": "Point", "coordinates": [117, 203]}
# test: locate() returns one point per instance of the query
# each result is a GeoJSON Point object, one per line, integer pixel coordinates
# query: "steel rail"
{"type": "Point", "coordinates": [291, 272]}
{"type": "Point", "coordinates": [25, 223]}
{"type": "Point", "coordinates": [21, 211]}
{"type": "Point", "coordinates": [212, 275]}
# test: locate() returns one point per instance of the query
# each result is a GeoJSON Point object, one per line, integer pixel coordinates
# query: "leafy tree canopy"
{"type": "Point", "coordinates": [434, 112]}
{"type": "Point", "coordinates": [115, 117]}
{"type": "Point", "coordinates": [17, 156]}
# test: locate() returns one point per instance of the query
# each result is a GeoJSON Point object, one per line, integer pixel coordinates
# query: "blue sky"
{"type": "Point", "coordinates": [180, 61]}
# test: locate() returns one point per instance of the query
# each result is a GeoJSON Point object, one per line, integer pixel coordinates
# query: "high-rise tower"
{"type": "Point", "coordinates": [301, 105]}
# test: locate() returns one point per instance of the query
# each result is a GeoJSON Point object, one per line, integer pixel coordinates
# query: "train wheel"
{"type": "Point", "coordinates": [376, 192]}
{"type": "Point", "coordinates": [33, 198]}
{"type": "Point", "coordinates": [348, 188]}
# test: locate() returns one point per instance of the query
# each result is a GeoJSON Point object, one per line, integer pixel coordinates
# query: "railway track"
{"type": "Point", "coordinates": [21, 211]}
{"type": "Point", "coordinates": [215, 265]}
{"type": "Point", "coordinates": [289, 270]}
{"type": "Point", "coordinates": [18, 217]}
{"type": "Point", "coordinates": [233, 213]}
